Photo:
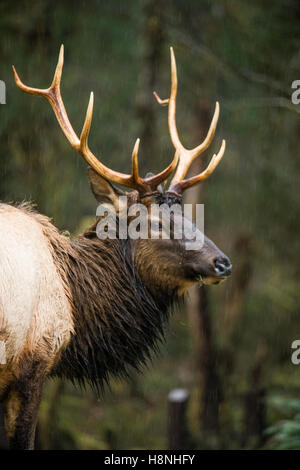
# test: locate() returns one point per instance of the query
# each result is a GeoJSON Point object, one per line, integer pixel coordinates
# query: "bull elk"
{"type": "Point", "coordinates": [87, 309]}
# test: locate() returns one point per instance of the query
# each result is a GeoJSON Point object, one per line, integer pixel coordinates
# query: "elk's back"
{"type": "Point", "coordinates": [35, 314]}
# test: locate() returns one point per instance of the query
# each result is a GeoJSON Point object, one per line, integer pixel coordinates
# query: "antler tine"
{"type": "Point", "coordinates": [136, 179]}
{"type": "Point", "coordinates": [186, 156]}
{"type": "Point", "coordinates": [180, 186]}
{"type": "Point", "coordinates": [59, 68]}
{"type": "Point", "coordinates": [53, 95]}
{"type": "Point", "coordinates": [89, 157]}
{"type": "Point", "coordinates": [171, 102]}
{"type": "Point", "coordinates": [135, 160]}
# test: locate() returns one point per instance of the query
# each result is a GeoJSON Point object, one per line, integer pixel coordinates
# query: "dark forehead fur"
{"type": "Point", "coordinates": [118, 322]}
{"type": "Point", "coordinates": [162, 198]}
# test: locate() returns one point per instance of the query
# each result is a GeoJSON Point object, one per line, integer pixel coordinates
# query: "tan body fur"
{"type": "Point", "coordinates": [35, 314]}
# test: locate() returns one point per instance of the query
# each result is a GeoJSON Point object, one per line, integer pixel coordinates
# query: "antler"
{"type": "Point", "coordinates": [53, 95]}
{"type": "Point", "coordinates": [186, 157]}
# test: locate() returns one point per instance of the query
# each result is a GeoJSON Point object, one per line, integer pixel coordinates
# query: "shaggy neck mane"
{"type": "Point", "coordinates": [118, 322]}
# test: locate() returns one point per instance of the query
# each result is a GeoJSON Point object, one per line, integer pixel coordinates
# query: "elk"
{"type": "Point", "coordinates": [87, 309]}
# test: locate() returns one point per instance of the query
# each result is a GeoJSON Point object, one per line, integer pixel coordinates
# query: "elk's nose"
{"type": "Point", "coordinates": [222, 266]}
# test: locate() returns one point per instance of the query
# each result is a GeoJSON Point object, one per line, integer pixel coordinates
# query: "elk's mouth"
{"type": "Point", "coordinates": [210, 280]}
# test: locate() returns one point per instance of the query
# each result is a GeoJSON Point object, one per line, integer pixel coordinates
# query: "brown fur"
{"type": "Point", "coordinates": [117, 318]}
{"type": "Point", "coordinates": [120, 292]}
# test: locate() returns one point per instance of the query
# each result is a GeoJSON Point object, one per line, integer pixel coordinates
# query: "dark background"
{"type": "Point", "coordinates": [231, 346]}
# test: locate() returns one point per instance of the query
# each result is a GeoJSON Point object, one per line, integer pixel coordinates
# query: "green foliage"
{"type": "Point", "coordinates": [285, 435]}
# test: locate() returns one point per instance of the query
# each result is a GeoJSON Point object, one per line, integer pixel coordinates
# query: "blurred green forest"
{"type": "Point", "coordinates": [230, 347]}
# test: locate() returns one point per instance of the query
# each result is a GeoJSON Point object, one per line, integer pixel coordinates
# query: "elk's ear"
{"type": "Point", "coordinates": [102, 189]}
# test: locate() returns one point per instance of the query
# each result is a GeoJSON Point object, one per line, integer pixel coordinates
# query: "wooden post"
{"type": "Point", "coordinates": [177, 430]}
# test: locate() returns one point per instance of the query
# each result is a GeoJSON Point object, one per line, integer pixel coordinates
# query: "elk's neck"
{"type": "Point", "coordinates": [118, 320]}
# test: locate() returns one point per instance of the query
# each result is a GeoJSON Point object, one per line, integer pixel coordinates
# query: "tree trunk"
{"type": "Point", "coordinates": [255, 402]}
{"type": "Point", "coordinates": [151, 60]}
